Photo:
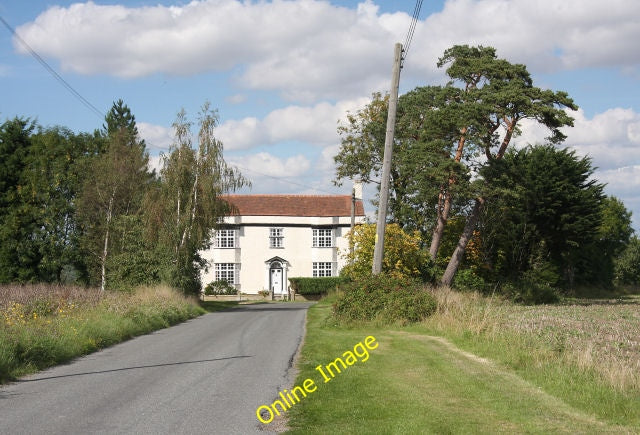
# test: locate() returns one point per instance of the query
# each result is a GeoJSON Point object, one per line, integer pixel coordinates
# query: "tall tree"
{"type": "Point", "coordinates": [120, 118]}
{"type": "Point", "coordinates": [426, 135]}
{"type": "Point", "coordinates": [503, 97]}
{"type": "Point", "coordinates": [116, 189]}
{"type": "Point", "coordinates": [18, 255]}
{"type": "Point", "coordinates": [188, 202]}
{"type": "Point", "coordinates": [53, 178]}
{"type": "Point", "coordinates": [543, 216]}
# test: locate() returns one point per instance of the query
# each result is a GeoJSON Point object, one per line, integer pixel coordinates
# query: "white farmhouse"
{"type": "Point", "coordinates": [273, 237]}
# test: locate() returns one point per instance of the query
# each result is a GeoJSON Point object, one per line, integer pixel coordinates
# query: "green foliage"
{"type": "Point", "coordinates": [425, 130]}
{"type": "Point", "coordinates": [115, 191]}
{"type": "Point", "coordinates": [627, 265]}
{"type": "Point", "coordinates": [467, 279]}
{"type": "Point", "coordinates": [403, 255]}
{"type": "Point", "coordinates": [186, 203]}
{"type": "Point", "coordinates": [316, 286]}
{"type": "Point", "coordinates": [536, 286]}
{"type": "Point", "coordinates": [220, 288]}
{"type": "Point", "coordinates": [39, 186]}
{"type": "Point", "coordinates": [546, 209]}
{"type": "Point", "coordinates": [385, 298]}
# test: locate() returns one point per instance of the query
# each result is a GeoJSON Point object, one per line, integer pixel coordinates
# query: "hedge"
{"type": "Point", "coordinates": [316, 286]}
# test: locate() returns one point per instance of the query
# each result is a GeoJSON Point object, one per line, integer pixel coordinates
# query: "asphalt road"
{"type": "Point", "coordinates": [207, 375]}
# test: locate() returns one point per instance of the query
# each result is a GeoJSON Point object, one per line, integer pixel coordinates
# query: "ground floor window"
{"type": "Point", "coordinates": [322, 269]}
{"type": "Point", "coordinates": [225, 272]}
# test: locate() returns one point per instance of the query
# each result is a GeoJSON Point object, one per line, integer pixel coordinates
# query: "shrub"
{"type": "Point", "coordinates": [531, 292]}
{"type": "Point", "coordinates": [316, 286]}
{"type": "Point", "coordinates": [403, 255]}
{"type": "Point", "coordinates": [466, 279]}
{"type": "Point", "coordinates": [220, 288]}
{"type": "Point", "coordinates": [384, 298]}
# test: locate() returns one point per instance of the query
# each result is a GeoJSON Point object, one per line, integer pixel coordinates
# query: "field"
{"type": "Point", "coordinates": [43, 325]}
{"type": "Point", "coordinates": [480, 365]}
{"type": "Point", "coordinates": [593, 335]}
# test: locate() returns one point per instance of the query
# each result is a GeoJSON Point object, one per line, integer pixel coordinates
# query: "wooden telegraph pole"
{"type": "Point", "coordinates": [381, 224]}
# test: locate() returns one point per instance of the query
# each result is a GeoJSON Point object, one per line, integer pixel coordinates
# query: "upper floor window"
{"type": "Point", "coordinates": [276, 237]}
{"type": "Point", "coordinates": [225, 238]}
{"type": "Point", "coordinates": [322, 237]}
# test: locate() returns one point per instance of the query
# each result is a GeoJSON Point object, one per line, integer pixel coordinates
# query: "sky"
{"type": "Point", "coordinates": [282, 74]}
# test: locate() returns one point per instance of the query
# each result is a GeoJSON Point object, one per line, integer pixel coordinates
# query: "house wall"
{"type": "Point", "coordinates": [253, 250]}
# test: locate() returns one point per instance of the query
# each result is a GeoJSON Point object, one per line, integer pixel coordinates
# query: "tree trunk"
{"type": "Point", "coordinates": [187, 228]}
{"type": "Point", "coordinates": [443, 215]}
{"type": "Point", "coordinates": [105, 249]}
{"type": "Point", "coordinates": [458, 253]}
{"type": "Point", "coordinates": [443, 212]}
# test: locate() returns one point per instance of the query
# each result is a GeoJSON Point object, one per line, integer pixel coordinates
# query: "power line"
{"type": "Point", "coordinates": [53, 72]}
{"type": "Point", "coordinates": [412, 28]}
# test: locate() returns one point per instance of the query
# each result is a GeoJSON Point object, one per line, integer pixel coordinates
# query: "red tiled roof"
{"type": "Point", "coordinates": [295, 205]}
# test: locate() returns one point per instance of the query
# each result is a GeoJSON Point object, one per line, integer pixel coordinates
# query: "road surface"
{"type": "Point", "coordinates": [207, 375]}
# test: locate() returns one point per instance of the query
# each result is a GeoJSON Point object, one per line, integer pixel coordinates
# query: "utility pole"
{"type": "Point", "coordinates": [378, 253]}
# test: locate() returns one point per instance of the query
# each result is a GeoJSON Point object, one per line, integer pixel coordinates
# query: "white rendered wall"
{"type": "Point", "coordinates": [252, 250]}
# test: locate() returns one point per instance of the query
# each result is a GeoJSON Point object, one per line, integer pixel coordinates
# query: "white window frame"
{"type": "Point", "coordinates": [226, 238]}
{"type": "Point", "coordinates": [276, 237]}
{"type": "Point", "coordinates": [226, 272]}
{"type": "Point", "coordinates": [322, 238]}
{"type": "Point", "coordinates": [321, 268]}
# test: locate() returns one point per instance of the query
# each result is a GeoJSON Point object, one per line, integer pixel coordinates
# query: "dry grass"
{"type": "Point", "coordinates": [598, 335]}
{"type": "Point", "coordinates": [603, 335]}
{"type": "Point", "coordinates": [43, 325]}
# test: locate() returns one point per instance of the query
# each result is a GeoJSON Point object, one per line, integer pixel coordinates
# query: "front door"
{"type": "Point", "coordinates": [276, 281]}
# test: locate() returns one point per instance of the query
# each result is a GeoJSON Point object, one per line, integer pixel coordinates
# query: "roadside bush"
{"type": "Point", "coordinates": [384, 298]}
{"type": "Point", "coordinates": [220, 288]}
{"type": "Point", "coordinates": [316, 286]}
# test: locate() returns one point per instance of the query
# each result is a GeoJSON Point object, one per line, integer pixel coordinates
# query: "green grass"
{"type": "Point", "coordinates": [42, 326]}
{"type": "Point", "coordinates": [418, 382]}
{"type": "Point", "coordinates": [211, 306]}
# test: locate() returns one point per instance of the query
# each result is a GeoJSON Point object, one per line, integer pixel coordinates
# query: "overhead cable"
{"type": "Point", "coordinates": [53, 72]}
{"type": "Point", "coordinates": [412, 28]}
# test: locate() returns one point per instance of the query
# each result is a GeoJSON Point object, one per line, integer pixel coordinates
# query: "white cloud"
{"type": "Point", "coordinates": [312, 124]}
{"type": "Point", "coordinates": [311, 49]}
{"type": "Point", "coordinates": [624, 183]}
{"type": "Point", "coordinates": [610, 138]}
{"type": "Point", "coordinates": [267, 165]}
{"type": "Point", "coordinates": [155, 163]}
{"type": "Point", "coordinates": [156, 137]}
{"type": "Point", "coordinates": [300, 47]}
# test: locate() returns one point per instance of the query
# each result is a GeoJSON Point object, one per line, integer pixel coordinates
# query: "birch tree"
{"type": "Point", "coordinates": [189, 201]}
{"type": "Point", "coordinates": [116, 187]}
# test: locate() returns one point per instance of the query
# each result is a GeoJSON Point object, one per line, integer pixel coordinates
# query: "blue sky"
{"type": "Point", "coordinates": [283, 73]}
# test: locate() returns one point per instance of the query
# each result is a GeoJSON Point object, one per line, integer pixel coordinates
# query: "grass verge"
{"type": "Point", "coordinates": [418, 381]}
{"type": "Point", "coordinates": [41, 326]}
